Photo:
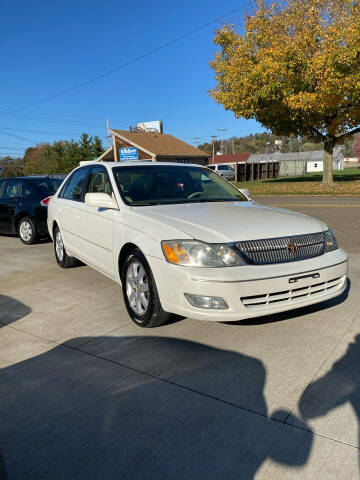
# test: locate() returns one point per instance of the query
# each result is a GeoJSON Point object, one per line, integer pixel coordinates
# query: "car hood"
{"type": "Point", "coordinates": [229, 221]}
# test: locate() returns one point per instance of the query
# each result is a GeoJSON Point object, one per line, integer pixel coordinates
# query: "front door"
{"type": "Point", "coordinates": [69, 209]}
{"type": "Point", "coordinates": [97, 224]}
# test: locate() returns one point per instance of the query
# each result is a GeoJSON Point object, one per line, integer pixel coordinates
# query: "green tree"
{"type": "Point", "coordinates": [97, 147]}
{"type": "Point", "coordinates": [62, 156]}
{"type": "Point", "coordinates": [10, 167]}
{"type": "Point", "coordinates": [85, 147]}
{"type": "Point", "coordinates": [295, 69]}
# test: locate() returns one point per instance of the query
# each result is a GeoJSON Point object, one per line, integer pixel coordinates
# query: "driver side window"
{"type": "Point", "coordinates": [73, 189]}
{"type": "Point", "coordinates": [99, 181]}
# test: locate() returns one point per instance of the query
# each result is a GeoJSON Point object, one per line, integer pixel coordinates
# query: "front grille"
{"type": "Point", "coordinates": [282, 249]}
{"type": "Point", "coordinates": [295, 295]}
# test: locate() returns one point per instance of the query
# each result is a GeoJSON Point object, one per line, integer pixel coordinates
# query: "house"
{"type": "Point", "coordinates": [244, 171]}
{"type": "Point", "coordinates": [299, 163]}
{"type": "Point", "coordinates": [154, 146]}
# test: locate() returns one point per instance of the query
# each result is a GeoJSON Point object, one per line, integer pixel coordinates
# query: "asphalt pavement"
{"type": "Point", "coordinates": [85, 394]}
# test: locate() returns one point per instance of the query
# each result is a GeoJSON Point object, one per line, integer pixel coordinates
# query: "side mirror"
{"type": "Point", "coordinates": [245, 192]}
{"type": "Point", "coordinates": [101, 200]}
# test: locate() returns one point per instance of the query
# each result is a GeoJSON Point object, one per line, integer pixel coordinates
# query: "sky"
{"type": "Point", "coordinates": [48, 47]}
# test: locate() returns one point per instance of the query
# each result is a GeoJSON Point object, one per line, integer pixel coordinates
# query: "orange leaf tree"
{"type": "Point", "coordinates": [295, 69]}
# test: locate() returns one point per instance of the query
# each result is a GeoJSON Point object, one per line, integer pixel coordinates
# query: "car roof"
{"type": "Point", "coordinates": [138, 163]}
{"type": "Point", "coordinates": [31, 177]}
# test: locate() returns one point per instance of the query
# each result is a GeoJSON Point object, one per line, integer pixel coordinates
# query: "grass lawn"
{"type": "Point", "coordinates": [347, 182]}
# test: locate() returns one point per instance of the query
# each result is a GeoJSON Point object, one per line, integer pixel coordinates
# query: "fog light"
{"type": "Point", "coordinates": [202, 301]}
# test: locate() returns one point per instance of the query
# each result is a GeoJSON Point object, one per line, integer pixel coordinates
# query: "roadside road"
{"type": "Point", "coordinates": [85, 394]}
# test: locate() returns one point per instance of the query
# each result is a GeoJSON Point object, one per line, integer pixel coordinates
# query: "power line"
{"type": "Point", "coordinates": [67, 121]}
{"type": "Point", "coordinates": [40, 131]}
{"type": "Point", "coordinates": [17, 136]}
{"type": "Point", "coordinates": [130, 62]}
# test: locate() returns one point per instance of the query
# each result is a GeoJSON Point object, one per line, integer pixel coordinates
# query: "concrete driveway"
{"type": "Point", "coordinates": [85, 394]}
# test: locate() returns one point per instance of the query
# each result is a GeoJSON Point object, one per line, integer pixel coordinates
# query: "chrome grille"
{"type": "Point", "coordinates": [282, 249]}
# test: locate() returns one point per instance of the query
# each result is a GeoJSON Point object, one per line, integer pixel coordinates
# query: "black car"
{"type": "Point", "coordinates": [23, 206]}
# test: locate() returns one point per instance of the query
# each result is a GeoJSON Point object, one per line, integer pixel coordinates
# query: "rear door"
{"type": "Point", "coordinates": [97, 224]}
{"type": "Point", "coordinates": [10, 201]}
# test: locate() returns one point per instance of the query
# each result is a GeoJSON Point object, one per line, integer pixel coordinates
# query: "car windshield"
{"type": "Point", "coordinates": [45, 186]}
{"type": "Point", "coordinates": [166, 184]}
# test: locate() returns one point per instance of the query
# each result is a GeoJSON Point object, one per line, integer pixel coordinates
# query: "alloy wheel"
{"type": "Point", "coordinates": [137, 288]}
{"type": "Point", "coordinates": [26, 231]}
{"type": "Point", "coordinates": [59, 246]}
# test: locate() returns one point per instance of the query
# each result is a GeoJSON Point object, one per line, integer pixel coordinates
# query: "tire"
{"type": "Point", "coordinates": [135, 276]}
{"type": "Point", "coordinates": [62, 258]}
{"type": "Point", "coordinates": [27, 231]}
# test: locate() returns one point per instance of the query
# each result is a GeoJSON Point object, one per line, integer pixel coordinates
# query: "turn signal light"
{"type": "Point", "coordinates": [176, 253]}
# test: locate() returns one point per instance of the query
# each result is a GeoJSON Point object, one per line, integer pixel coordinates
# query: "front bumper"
{"type": "Point", "coordinates": [253, 290]}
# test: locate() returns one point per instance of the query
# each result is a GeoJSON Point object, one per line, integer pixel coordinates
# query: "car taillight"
{"type": "Point", "coordinates": [45, 201]}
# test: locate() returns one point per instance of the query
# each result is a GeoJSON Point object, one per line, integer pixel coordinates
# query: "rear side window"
{"type": "Point", "coordinates": [212, 167]}
{"type": "Point", "coordinates": [74, 187]}
{"type": "Point", "coordinates": [12, 189]}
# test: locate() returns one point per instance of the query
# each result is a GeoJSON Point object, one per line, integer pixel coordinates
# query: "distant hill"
{"type": "Point", "coordinates": [266, 143]}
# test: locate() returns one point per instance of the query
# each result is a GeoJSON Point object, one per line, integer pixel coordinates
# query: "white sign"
{"type": "Point", "coordinates": [155, 126]}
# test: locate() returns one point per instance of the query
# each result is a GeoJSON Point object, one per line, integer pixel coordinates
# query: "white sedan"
{"type": "Point", "coordinates": [180, 239]}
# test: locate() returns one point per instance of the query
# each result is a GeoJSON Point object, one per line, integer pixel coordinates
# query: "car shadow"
{"type": "Point", "coordinates": [67, 413]}
{"type": "Point", "coordinates": [11, 310]}
{"type": "Point", "coordinates": [298, 312]}
{"type": "Point", "coordinates": [340, 385]}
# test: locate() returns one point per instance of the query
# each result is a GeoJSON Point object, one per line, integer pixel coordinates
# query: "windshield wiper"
{"type": "Point", "coordinates": [147, 204]}
{"type": "Point", "coordinates": [206, 200]}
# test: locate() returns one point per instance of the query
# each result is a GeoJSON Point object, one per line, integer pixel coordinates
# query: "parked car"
{"type": "Point", "coordinates": [224, 170]}
{"type": "Point", "coordinates": [180, 239]}
{"type": "Point", "coordinates": [23, 206]}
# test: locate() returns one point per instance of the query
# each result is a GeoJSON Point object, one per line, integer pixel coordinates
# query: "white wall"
{"type": "Point", "coordinates": [318, 166]}
{"type": "Point", "coordinates": [314, 166]}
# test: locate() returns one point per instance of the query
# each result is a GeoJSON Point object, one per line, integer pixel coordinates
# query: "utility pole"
{"type": "Point", "coordinates": [221, 131]}
{"type": "Point", "coordinates": [108, 133]}
{"type": "Point", "coordinates": [213, 147]}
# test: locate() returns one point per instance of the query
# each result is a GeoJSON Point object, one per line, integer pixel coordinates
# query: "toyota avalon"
{"type": "Point", "coordinates": [182, 240]}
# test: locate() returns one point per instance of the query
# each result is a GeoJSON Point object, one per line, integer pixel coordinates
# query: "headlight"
{"type": "Point", "coordinates": [199, 254]}
{"type": "Point", "coordinates": [330, 241]}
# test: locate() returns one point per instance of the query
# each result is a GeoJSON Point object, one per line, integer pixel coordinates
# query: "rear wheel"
{"type": "Point", "coordinates": [140, 293]}
{"type": "Point", "coordinates": [27, 231]}
{"type": "Point", "coordinates": [62, 258]}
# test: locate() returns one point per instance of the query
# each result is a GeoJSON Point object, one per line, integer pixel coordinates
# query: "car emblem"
{"type": "Point", "coordinates": [292, 248]}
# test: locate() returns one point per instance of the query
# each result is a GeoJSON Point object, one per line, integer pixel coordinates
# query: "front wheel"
{"type": "Point", "coordinates": [140, 293]}
{"type": "Point", "coordinates": [62, 258]}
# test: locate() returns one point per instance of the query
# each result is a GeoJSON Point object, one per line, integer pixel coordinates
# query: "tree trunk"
{"type": "Point", "coordinates": [328, 162]}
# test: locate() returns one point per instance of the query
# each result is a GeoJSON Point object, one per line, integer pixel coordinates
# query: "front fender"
{"type": "Point", "coordinates": [123, 235]}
